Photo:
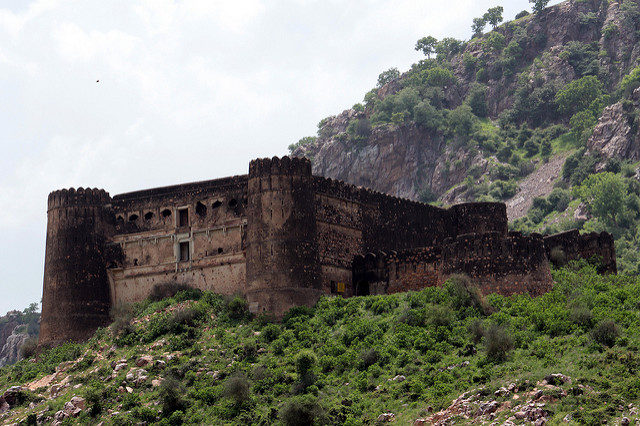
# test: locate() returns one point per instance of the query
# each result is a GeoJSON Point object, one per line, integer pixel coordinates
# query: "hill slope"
{"type": "Point", "coordinates": [197, 358]}
{"type": "Point", "coordinates": [481, 118]}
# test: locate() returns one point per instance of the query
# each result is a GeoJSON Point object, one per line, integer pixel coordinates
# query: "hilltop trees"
{"type": "Point", "coordinates": [494, 16]}
{"type": "Point", "coordinates": [539, 5]}
{"type": "Point", "coordinates": [387, 76]}
{"type": "Point", "coordinates": [478, 26]}
{"type": "Point", "coordinates": [427, 45]}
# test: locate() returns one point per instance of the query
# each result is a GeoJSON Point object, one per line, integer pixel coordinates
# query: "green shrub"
{"type": "Point", "coordinates": [171, 396]}
{"type": "Point", "coordinates": [121, 315]}
{"type": "Point", "coordinates": [29, 348]}
{"type": "Point", "coordinates": [477, 100]}
{"type": "Point", "coordinates": [427, 116]}
{"type": "Point", "coordinates": [582, 57]}
{"type": "Point", "coordinates": [464, 294]}
{"type": "Point", "coordinates": [368, 357]}
{"type": "Point", "coordinates": [270, 332]}
{"type": "Point", "coordinates": [606, 332]}
{"type": "Point", "coordinates": [388, 76]}
{"type": "Point", "coordinates": [558, 256]}
{"type": "Point", "coordinates": [582, 317]}
{"type": "Point", "coordinates": [498, 343]}
{"type": "Point", "coordinates": [238, 308]}
{"type": "Point", "coordinates": [236, 388]}
{"type": "Point", "coordinates": [476, 330]}
{"type": "Point", "coordinates": [303, 410]}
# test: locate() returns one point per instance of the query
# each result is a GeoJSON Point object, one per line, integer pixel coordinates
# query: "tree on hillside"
{"type": "Point", "coordinates": [494, 16]}
{"type": "Point", "coordinates": [478, 26]}
{"type": "Point", "coordinates": [578, 95]}
{"type": "Point", "coordinates": [387, 76]}
{"type": "Point", "coordinates": [604, 195]}
{"type": "Point", "coordinates": [446, 47]}
{"type": "Point", "coordinates": [539, 5]}
{"type": "Point", "coordinates": [427, 45]}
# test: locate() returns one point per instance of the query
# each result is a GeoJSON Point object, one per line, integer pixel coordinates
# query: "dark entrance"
{"type": "Point", "coordinates": [362, 288]}
{"type": "Point", "coordinates": [183, 217]}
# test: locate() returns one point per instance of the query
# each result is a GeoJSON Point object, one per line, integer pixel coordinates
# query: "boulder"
{"type": "Point", "coordinates": [13, 395]}
{"type": "Point", "coordinates": [386, 417]}
{"type": "Point", "coordinates": [144, 360]}
{"type": "Point", "coordinates": [79, 402]}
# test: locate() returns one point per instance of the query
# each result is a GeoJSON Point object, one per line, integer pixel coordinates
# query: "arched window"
{"type": "Point", "coordinates": [201, 209]}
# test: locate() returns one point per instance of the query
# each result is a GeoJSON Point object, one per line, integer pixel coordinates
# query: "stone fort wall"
{"type": "Point", "coordinates": [279, 236]}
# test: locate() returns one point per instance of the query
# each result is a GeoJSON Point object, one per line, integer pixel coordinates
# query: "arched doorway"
{"type": "Point", "coordinates": [362, 288]}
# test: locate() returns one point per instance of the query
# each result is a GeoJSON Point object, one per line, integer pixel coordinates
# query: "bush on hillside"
{"type": "Point", "coordinates": [303, 410]}
{"type": "Point", "coordinates": [236, 388]}
{"type": "Point", "coordinates": [606, 332]}
{"type": "Point", "coordinates": [498, 343]}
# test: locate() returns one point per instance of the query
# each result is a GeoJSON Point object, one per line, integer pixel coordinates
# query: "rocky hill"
{"type": "Point", "coordinates": [499, 116]}
{"type": "Point", "coordinates": [16, 329]}
{"type": "Point", "coordinates": [444, 355]}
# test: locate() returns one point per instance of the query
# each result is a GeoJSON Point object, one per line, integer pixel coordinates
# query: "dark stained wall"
{"type": "Point", "coordinates": [75, 297]}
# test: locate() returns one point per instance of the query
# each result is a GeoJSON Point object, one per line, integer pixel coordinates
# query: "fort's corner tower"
{"type": "Point", "coordinates": [76, 297]}
{"type": "Point", "coordinates": [282, 255]}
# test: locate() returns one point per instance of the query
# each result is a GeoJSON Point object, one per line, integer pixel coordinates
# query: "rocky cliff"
{"type": "Point", "coordinates": [521, 65]}
{"type": "Point", "coordinates": [16, 327]}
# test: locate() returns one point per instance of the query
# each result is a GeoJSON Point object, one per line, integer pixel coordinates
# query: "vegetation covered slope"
{"type": "Point", "coordinates": [197, 358]}
{"type": "Point", "coordinates": [528, 110]}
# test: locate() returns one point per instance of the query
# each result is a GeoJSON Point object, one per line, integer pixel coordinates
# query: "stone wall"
{"type": "Point", "coordinates": [149, 233]}
{"type": "Point", "coordinates": [571, 245]}
{"type": "Point", "coordinates": [498, 263]}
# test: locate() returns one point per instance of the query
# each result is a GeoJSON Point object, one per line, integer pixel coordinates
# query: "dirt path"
{"type": "Point", "coordinates": [537, 184]}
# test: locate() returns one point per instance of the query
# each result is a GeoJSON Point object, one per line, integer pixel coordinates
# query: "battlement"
{"type": "Point", "coordinates": [480, 218]}
{"type": "Point", "coordinates": [76, 197]}
{"type": "Point", "coordinates": [280, 166]}
{"type": "Point", "coordinates": [572, 245]}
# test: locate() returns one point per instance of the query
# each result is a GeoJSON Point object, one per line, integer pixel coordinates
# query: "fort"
{"type": "Point", "coordinates": [280, 237]}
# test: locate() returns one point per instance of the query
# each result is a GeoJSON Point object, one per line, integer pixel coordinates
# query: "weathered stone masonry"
{"type": "Point", "coordinates": [280, 237]}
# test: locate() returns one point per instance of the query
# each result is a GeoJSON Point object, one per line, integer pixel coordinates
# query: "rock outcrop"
{"type": "Point", "coordinates": [15, 327]}
{"type": "Point", "coordinates": [617, 133]}
{"type": "Point", "coordinates": [10, 352]}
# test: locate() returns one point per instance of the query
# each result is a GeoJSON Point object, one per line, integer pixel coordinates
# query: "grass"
{"type": "Point", "coordinates": [336, 362]}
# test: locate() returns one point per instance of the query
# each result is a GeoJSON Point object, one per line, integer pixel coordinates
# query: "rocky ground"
{"type": "Point", "coordinates": [537, 184]}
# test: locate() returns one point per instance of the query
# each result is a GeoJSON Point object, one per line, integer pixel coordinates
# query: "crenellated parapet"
{"type": "Point", "coordinates": [280, 166]}
{"type": "Point", "coordinates": [479, 218]}
{"type": "Point", "coordinates": [78, 197]}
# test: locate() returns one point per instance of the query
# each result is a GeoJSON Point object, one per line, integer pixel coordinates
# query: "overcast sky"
{"type": "Point", "coordinates": [188, 90]}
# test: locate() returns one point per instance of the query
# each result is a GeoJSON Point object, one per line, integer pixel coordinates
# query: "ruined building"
{"type": "Point", "coordinates": [280, 237]}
